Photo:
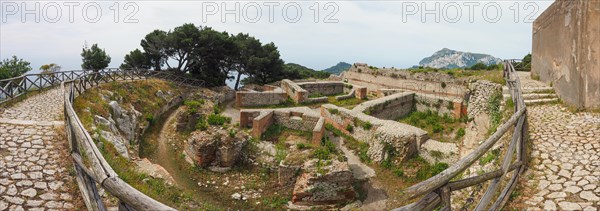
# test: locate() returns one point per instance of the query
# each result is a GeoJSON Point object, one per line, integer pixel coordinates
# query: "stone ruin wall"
{"type": "Point", "coordinates": [294, 91]}
{"type": "Point", "coordinates": [390, 107]}
{"type": "Point", "coordinates": [254, 98]}
{"type": "Point", "coordinates": [403, 138]}
{"type": "Point", "coordinates": [566, 51]}
{"type": "Point", "coordinates": [480, 95]}
{"type": "Point", "coordinates": [298, 92]}
{"type": "Point", "coordinates": [376, 81]}
{"type": "Point", "coordinates": [441, 105]}
{"type": "Point", "coordinates": [323, 87]}
{"type": "Point", "coordinates": [299, 118]}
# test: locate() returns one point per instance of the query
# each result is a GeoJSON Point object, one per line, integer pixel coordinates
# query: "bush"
{"type": "Point", "coordinates": [350, 128]}
{"type": "Point", "coordinates": [303, 146]}
{"type": "Point", "coordinates": [333, 111]}
{"type": "Point", "coordinates": [398, 172]}
{"type": "Point", "coordinates": [460, 133]}
{"type": "Point", "coordinates": [201, 124]}
{"type": "Point", "coordinates": [387, 163]}
{"type": "Point", "coordinates": [367, 125]}
{"type": "Point", "coordinates": [216, 119]}
{"type": "Point", "coordinates": [444, 85]}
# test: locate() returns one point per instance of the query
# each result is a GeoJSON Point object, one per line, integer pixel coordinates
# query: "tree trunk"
{"type": "Point", "coordinates": [237, 81]}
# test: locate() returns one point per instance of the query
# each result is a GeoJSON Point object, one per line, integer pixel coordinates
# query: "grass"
{"type": "Point", "coordinates": [155, 188]}
{"type": "Point", "coordinates": [360, 147]}
{"type": "Point", "coordinates": [139, 94]}
{"type": "Point", "coordinates": [495, 113]}
{"type": "Point", "coordinates": [489, 157]}
{"type": "Point", "coordinates": [217, 119]}
{"type": "Point", "coordinates": [443, 128]}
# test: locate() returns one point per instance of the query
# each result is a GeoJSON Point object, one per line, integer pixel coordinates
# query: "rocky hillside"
{"type": "Point", "coordinates": [338, 68]}
{"type": "Point", "coordinates": [447, 58]}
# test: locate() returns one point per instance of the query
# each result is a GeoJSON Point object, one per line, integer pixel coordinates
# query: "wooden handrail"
{"type": "Point", "coordinates": [83, 147]}
{"type": "Point", "coordinates": [436, 189]}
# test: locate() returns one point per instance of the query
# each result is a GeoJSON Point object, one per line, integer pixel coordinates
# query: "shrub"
{"type": "Point", "coordinates": [398, 172]}
{"type": "Point", "coordinates": [367, 125]}
{"type": "Point", "coordinates": [387, 163]}
{"type": "Point", "coordinates": [201, 124]}
{"type": "Point", "coordinates": [216, 119]}
{"type": "Point", "coordinates": [438, 168]}
{"type": "Point", "coordinates": [437, 128]}
{"type": "Point", "coordinates": [150, 118]}
{"type": "Point", "coordinates": [232, 133]}
{"type": "Point", "coordinates": [303, 146]}
{"type": "Point", "coordinates": [333, 111]}
{"type": "Point", "coordinates": [350, 128]}
{"type": "Point", "coordinates": [460, 133]}
{"type": "Point", "coordinates": [321, 153]}
{"type": "Point", "coordinates": [443, 85]}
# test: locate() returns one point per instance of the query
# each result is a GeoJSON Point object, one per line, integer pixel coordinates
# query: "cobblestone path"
{"type": "Point", "coordinates": [34, 159]}
{"type": "Point", "coordinates": [566, 159]}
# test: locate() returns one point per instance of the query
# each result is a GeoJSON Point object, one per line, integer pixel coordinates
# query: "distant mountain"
{"type": "Point", "coordinates": [447, 58]}
{"type": "Point", "coordinates": [338, 68]}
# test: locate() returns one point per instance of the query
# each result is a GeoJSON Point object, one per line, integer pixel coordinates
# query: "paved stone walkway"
{"type": "Point", "coordinates": [33, 156]}
{"type": "Point", "coordinates": [566, 164]}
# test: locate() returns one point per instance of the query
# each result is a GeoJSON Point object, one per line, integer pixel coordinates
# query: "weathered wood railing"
{"type": "Point", "coordinates": [12, 88]}
{"type": "Point", "coordinates": [91, 168]}
{"type": "Point", "coordinates": [436, 191]}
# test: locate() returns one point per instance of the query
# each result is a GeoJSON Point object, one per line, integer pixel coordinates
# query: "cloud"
{"type": "Point", "coordinates": [381, 33]}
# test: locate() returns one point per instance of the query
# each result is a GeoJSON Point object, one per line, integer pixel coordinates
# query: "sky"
{"type": "Point", "coordinates": [316, 34]}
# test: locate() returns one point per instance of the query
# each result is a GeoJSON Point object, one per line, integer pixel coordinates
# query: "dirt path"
{"type": "Point", "coordinates": [231, 111]}
{"type": "Point", "coordinates": [164, 155]}
{"type": "Point", "coordinates": [376, 196]}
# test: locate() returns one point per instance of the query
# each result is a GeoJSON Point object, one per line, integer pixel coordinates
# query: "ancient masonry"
{"type": "Point", "coordinates": [34, 158]}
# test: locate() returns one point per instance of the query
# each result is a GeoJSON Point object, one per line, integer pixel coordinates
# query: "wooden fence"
{"type": "Point", "coordinates": [436, 191]}
{"type": "Point", "coordinates": [91, 168]}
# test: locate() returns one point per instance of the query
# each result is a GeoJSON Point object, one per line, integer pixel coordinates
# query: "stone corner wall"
{"type": "Point", "coordinates": [297, 118]}
{"type": "Point", "coordinates": [403, 138]}
{"type": "Point", "coordinates": [389, 107]}
{"type": "Point", "coordinates": [566, 51]}
{"type": "Point", "coordinates": [294, 91]}
{"type": "Point", "coordinates": [442, 105]}
{"type": "Point", "coordinates": [480, 93]}
{"type": "Point", "coordinates": [254, 98]}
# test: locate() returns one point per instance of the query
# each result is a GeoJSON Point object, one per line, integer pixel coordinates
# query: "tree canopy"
{"type": "Point", "coordinates": [94, 58]}
{"type": "Point", "coordinates": [50, 68]}
{"type": "Point", "coordinates": [155, 46]}
{"type": "Point", "coordinates": [213, 56]}
{"type": "Point", "coordinates": [136, 59]}
{"type": "Point", "coordinates": [13, 67]}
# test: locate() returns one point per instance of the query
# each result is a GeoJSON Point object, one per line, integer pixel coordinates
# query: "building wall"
{"type": "Point", "coordinates": [566, 50]}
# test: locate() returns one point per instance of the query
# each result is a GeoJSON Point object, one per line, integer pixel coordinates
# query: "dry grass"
{"type": "Point", "coordinates": [71, 186]}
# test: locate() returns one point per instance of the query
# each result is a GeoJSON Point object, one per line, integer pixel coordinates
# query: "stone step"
{"type": "Point", "coordinates": [541, 101]}
{"type": "Point", "coordinates": [533, 96]}
{"type": "Point", "coordinates": [527, 90]}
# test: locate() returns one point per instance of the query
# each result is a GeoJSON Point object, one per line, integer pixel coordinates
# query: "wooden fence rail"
{"type": "Point", "coordinates": [436, 191]}
{"type": "Point", "coordinates": [98, 172]}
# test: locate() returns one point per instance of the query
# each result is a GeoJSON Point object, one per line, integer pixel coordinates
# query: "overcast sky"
{"type": "Point", "coordinates": [380, 33]}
